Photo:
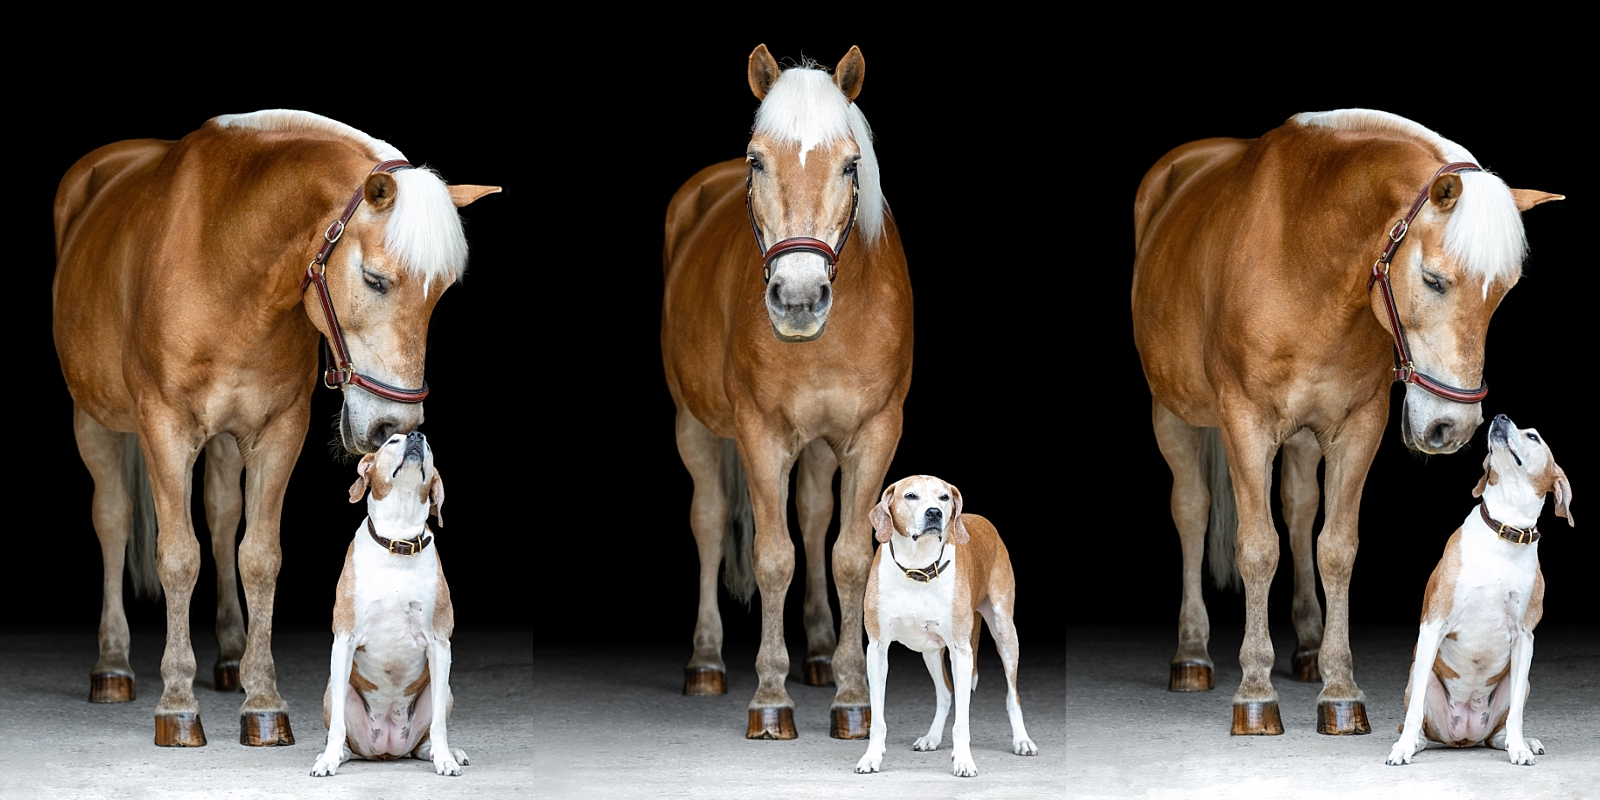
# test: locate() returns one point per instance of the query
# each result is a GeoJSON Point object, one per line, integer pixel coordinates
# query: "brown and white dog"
{"type": "Point", "coordinates": [388, 690]}
{"type": "Point", "coordinates": [937, 571]}
{"type": "Point", "coordinates": [1469, 675]}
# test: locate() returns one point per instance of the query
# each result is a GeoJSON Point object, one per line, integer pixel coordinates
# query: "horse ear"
{"type": "Point", "coordinates": [882, 518]}
{"type": "Point", "coordinates": [358, 489]}
{"type": "Point", "coordinates": [1563, 495]}
{"type": "Point", "coordinates": [1446, 190]}
{"type": "Point", "coordinates": [380, 190]}
{"type": "Point", "coordinates": [1528, 198]}
{"type": "Point", "coordinates": [852, 70]}
{"type": "Point", "coordinates": [436, 498]}
{"type": "Point", "coordinates": [1483, 482]}
{"type": "Point", "coordinates": [958, 529]}
{"type": "Point", "coordinates": [763, 71]}
{"type": "Point", "coordinates": [462, 195]}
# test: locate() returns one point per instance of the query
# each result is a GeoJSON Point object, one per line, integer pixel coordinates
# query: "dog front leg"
{"type": "Point", "coordinates": [877, 676]}
{"type": "Point", "coordinates": [1429, 634]}
{"type": "Point", "coordinates": [1520, 750]}
{"type": "Point", "coordinates": [335, 753]}
{"type": "Point", "coordinates": [444, 760]}
{"type": "Point", "coordinates": [961, 657]}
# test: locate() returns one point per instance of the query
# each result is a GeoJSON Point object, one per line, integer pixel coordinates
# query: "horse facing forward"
{"type": "Point", "coordinates": [1260, 314]}
{"type": "Point", "coordinates": [812, 366]}
{"type": "Point", "coordinates": [186, 318]}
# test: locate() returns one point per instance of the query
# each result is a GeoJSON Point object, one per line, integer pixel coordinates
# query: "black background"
{"type": "Point", "coordinates": [1010, 164]}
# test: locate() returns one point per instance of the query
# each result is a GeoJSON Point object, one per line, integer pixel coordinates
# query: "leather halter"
{"type": "Point", "coordinates": [342, 372]}
{"type": "Point", "coordinates": [1510, 533]}
{"type": "Point", "coordinates": [925, 574]}
{"type": "Point", "coordinates": [1405, 371]}
{"type": "Point", "coordinates": [802, 243]}
{"type": "Point", "coordinates": [400, 547]}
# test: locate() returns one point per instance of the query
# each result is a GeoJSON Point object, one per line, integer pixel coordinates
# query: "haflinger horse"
{"type": "Point", "coordinates": [786, 336]}
{"type": "Point", "coordinates": [1263, 320]}
{"type": "Point", "coordinates": [187, 319]}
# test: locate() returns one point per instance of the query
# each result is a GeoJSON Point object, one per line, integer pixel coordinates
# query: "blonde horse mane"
{"type": "Point", "coordinates": [1485, 230]}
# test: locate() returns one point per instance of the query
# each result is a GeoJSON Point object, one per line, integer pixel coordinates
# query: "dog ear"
{"type": "Point", "coordinates": [958, 529]}
{"type": "Point", "coordinates": [1485, 481]}
{"type": "Point", "coordinates": [358, 489]}
{"type": "Point", "coordinates": [1563, 495]}
{"type": "Point", "coordinates": [882, 517]}
{"type": "Point", "coordinates": [436, 498]}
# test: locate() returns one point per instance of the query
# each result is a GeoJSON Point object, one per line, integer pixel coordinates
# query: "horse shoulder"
{"type": "Point", "coordinates": [1175, 172]}
{"type": "Point", "coordinates": [695, 199]}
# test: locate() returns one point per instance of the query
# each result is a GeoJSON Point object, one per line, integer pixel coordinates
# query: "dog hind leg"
{"type": "Point", "coordinates": [934, 660]}
{"type": "Point", "coordinates": [1006, 641]}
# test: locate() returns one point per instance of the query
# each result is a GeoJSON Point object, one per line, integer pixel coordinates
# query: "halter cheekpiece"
{"type": "Point", "coordinates": [340, 372]}
{"type": "Point", "coordinates": [1405, 371]}
{"type": "Point", "coordinates": [1510, 533]}
{"type": "Point", "coordinates": [802, 243]}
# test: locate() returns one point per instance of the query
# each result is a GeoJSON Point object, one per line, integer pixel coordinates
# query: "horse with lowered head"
{"type": "Point", "coordinates": [187, 320]}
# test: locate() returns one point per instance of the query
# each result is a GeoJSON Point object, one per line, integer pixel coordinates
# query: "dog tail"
{"type": "Point", "coordinates": [142, 527]}
{"type": "Point", "coordinates": [738, 540]}
{"type": "Point", "coordinates": [1224, 527]}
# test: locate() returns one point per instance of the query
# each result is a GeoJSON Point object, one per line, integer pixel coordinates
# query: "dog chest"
{"type": "Point", "coordinates": [917, 614]}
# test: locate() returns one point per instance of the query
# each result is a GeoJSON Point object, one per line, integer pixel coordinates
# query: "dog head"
{"type": "Point", "coordinates": [921, 505]}
{"type": "Point", "coordinates": [1519, 471]}
{"type": "Point", "coordinates": [404, 485]}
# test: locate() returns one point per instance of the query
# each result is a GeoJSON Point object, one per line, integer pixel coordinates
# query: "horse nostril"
{"type": "Point", "coordinates": [382, 431]}
{"type": "Point", "coordinates": [1439, 434]}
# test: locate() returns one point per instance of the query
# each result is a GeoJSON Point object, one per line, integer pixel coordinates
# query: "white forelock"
{"type": "Point", "coordinates": [804, 106]}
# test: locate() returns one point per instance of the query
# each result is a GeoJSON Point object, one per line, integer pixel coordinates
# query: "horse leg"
{"type": "Point", "coordinates": [814, 501]}
{"type": "Point", "coordinates": [268, 459]}
{"type": "Point", "coordinates": [224, 503]}
{"type": "Point", "coordinates": [1301, 452]}
{"type": "Point", "coordinates": [767, 464]}
{"type": "Point", "coordinates": [864, 461]}
{"type": "Point", "coordinates": [170, 449]}
{"type": "Point", "coordinates": [1180, 442]}
{"type": "Point", "coordinates": [102, 451]}
{"type": "Point", "coordinates": [1341, 707]}
{"type": "Point", "coordinates": [1250, 448]}
{"type": "Point", "coordinates": [702, 452]}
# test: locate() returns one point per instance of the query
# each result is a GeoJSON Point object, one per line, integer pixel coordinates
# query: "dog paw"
{"type": "Point", "coordinates": [325, 766]}
{"type": "Point", "coordinates": [1024, 747]}
{"type": "Point", "coordinates": [870, 762]}
{"type": "Point", "coordinates": [1535, 745]}
{"type": "Point", "coordinates": [927, 744]}
{"type": "Point", "coordinates": [1401, 754]}
{"type": "Point", "coordinates": [962, 764]}
{"type": "Point", "coordinates": [1520, 755]}
{"type": "Point", "coordinates": [445, 765]}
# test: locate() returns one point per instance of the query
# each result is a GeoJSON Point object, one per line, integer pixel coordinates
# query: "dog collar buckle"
{"type": "Point", "coordinates": [400, 547]}
{"type": "Point", "coordinates": [403, 547]}
{"type": "Point", "coordinates": [923, 575]}
{"type": "Point", "coordinates": [1510, 533]}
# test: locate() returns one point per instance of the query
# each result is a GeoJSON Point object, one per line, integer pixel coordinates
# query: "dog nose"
{"type": "Point", "coordinates": [1501, 418]}
{"type": "Point", "coordinates": [934, 513]}
{"type": "Point", "coordinates": [413, 436]}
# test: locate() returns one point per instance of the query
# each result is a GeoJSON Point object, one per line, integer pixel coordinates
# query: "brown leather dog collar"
{"type": "Point", "coordinates": [400, 547]}
{"type": "Point", "coordinates": [925, 574]}
{"type": "Point", "coordinates": [1510, 533]}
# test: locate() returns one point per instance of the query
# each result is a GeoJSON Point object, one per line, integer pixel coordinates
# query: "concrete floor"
{"type": "Point", "coordinates": [610, 723]}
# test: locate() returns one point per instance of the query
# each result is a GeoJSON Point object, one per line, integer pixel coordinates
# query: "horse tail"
{"type": "Point", "coordinates": [738, 540]}
{"type": "Point", "coordinates": [142, 528]}
{"type": "Point", "coordinates": [1224, 527]}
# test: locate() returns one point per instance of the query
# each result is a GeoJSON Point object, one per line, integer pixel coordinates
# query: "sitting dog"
{"type": "Point", "coordinates": [1469, 675]}
{"type": "Point", "coordinates": [936, 572]}
{"type": "Point", "coordinates": [389, 685]}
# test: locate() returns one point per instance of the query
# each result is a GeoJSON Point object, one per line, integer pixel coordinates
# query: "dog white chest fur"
{"type": "Point", "coordinates": [937, 572]}
{"type": "Point", "coordinates": [388, 690]}
{"type": "Point", "coordinates": [1469, 675]}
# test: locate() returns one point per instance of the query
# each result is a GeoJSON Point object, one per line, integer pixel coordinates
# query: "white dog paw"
{"type": "Point", "coordinates": [325, 766]}
{"type": "Point", "coordinates": [869, 763]}
{"type": "Point", "coordinates": [1401, 754]}
{"type": "Point", "coordinates": [461, 757]}
{"type": "Point", "coordinates": [1535, 745]}
{"type": "Point", "coordinates": [446, 766]}
{"type": "Point", "coordinates": [1521, 755]}
{"type": "Point", "coordinates": [927, 744]}
{"type": "Point", "coordinates": [1024, 747]}
{"type": "Point", "coordinates": [963, 766]}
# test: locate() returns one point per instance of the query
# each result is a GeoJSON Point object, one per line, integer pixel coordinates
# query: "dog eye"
{"type": "Point", "coordinates": [1534, 436]}
{"type": "Point", "coordinates": [912, 496]}
{"type": "Point", "coordinates": [944, 498]}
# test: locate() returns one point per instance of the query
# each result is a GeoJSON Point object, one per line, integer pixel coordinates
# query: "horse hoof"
{"type": "Point", "coordinates": [850, 722]}
{"type": "Point", "coordinates": [1342, 718]}
{"type": "Point", "coordinates": [704, 682]}
{"type": "Point", "coordinates": [179, 730]}
{"type": "Point", "coordinates": [265, 729]}
{"type": "Point", "coordinates": [818, 671]}
{"type": "Point", "coordinates": [1304, 667]}
{"type": "Point", "coordinates": [110, 688]}
{"type": "Point", "coordinates": [1190, 676]}
{"type": "Point", "coordinates": [1257, 718]}
{"type": "Point", "coordinates": [226, 676]}
{"type": "Point", "coordinates": [771, 723]}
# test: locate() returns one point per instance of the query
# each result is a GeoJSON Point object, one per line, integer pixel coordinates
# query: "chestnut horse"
{"type": "Point", "coordinates": [797, 351]}
{"type": "Point", "coordinates": [1260, 314]}
{"type": "Point", "coordinates": [187, 319]}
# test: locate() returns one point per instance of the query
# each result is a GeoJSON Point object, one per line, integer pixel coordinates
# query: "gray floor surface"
{"type": "Point", "coordinates": [543, 722]}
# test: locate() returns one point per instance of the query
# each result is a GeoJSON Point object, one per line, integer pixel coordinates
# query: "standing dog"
{"type": "Point", "coordinates": [1469, 676]}
{"type": "Point", "coordinates": [943, 570]}
{"type": "Point", "coordinates": [389, 685]}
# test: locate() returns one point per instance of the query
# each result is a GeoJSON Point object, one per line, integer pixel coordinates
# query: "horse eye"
{"type": "Point", "coordinates": [377, 283]}
{"type": "Point", "coordinates": [1433, 283]}
{"type": "Point", "coordinates": [755, 163]}
{"type": "Point", "coordinates": [850, 169]}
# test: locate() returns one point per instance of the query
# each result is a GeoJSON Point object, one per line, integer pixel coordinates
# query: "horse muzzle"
{"type": "Point", "coordinates": [1435, 426]}
{"type": "Point", "coordinates": [799, 297]}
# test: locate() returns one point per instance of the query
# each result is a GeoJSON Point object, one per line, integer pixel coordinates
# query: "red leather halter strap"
{"type": "Point", "coordinates": [1405, 371]}
{"type": "Point", "coordinates": [803, 243]}
{"type": "Point", "coordinates": [342, 372]}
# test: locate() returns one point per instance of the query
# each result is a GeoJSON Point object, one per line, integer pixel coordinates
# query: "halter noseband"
{"type": "Point", "coordinates": [342, 372]}
{"type": "Point", "coordinates": [1405, 371]}
{"type": "Point", "coordinates": [802, 243]}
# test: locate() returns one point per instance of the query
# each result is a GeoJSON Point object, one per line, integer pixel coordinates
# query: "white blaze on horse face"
{"type": "Point", "coordinates": [790, 200]}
